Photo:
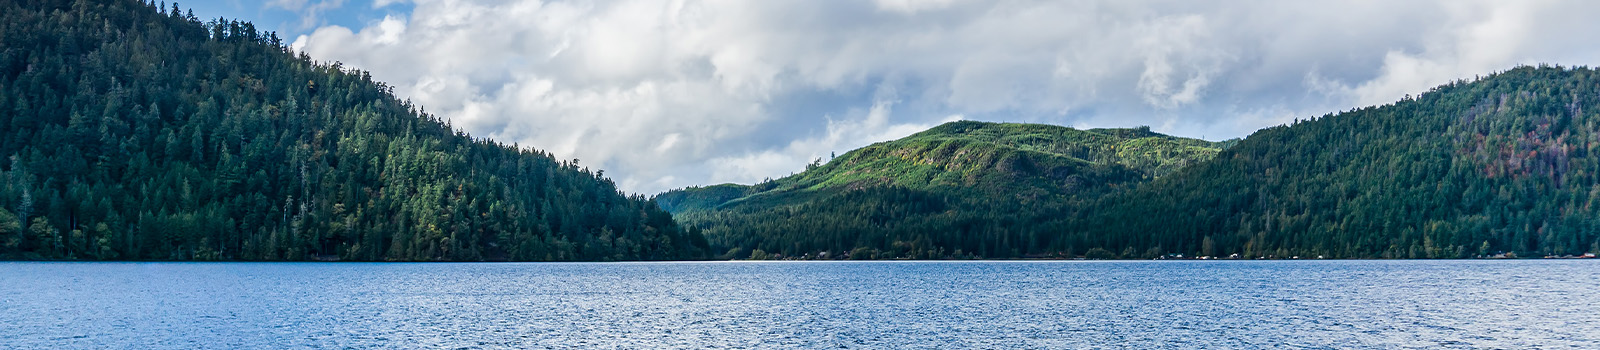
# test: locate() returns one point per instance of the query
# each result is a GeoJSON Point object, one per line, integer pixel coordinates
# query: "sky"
{"type": "Point", "coordinates": [664, 94]}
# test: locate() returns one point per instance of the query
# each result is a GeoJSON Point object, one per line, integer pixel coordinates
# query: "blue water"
{"type": "Point", "coordinates": [967, 305]}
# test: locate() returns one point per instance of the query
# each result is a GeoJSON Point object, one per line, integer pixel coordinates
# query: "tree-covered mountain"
{"type": "Point", "coordinates": [132, 131]}
{"type": "Point", "coordinates": [1503, 163]}
{"type": "Point", "coordinates": [962, 189]}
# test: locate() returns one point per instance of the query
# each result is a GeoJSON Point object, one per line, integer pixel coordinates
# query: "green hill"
{"type": "Point", "coordinates": [968, 188]}
{"type": "Point", "coordinates": [136, 132]}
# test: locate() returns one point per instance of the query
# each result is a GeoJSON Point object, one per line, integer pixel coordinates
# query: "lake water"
{"type": "Point", "coordinates": [965, 305]}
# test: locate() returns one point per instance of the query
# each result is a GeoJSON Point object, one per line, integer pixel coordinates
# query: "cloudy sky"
{"type": "Point", "coordinates": [671, 93]}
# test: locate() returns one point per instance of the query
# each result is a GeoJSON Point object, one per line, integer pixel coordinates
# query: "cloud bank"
{"type": "Point", "coordinates": [666, 94]}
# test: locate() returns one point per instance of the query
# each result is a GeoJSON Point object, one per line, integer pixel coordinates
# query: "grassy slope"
{"type": "Point", "coordinates": [1030, 161]}
{"type": "Point", "coordinates": [960, 189]}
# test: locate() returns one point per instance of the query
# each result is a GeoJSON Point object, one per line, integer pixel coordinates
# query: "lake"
{"type": "Point", "coordinates": [1548, 304]}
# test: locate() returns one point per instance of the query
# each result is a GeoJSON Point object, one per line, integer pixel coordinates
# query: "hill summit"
{"type": "Point", "coordinates": [965, 171]}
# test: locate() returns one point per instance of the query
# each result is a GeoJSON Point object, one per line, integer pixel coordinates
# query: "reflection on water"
{"type": "Point", "coordinates": [1004, 305]}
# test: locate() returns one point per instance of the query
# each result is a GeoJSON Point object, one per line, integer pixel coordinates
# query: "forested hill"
{"type": "Point", "coordinates": [1503, 164]}
{"type": "Point", "coordinates": [137, 132]}
{"type": "Point", "coordinates": [962, 189]}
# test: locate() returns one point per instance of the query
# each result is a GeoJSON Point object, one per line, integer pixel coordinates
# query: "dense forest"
{"type": "Point", "coordinates": [1502, 165]}
{"type": "Point", "coordinates": [133, 130]}
{"type": "Point", "coordinates": [960, 190]}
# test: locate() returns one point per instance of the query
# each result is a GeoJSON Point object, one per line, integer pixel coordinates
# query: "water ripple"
{"type": "Point", "coordinates": [834, 305]}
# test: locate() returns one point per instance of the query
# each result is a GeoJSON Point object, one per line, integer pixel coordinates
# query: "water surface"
{"type": "Point", "coordinates": [972, 305]}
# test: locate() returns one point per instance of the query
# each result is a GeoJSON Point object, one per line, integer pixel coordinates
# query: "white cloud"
{"type": "Point", "coordinates": [673, 93]}
{"type": "Point", "coordinates": [1178, 61]}
{"type": "Point", "coordinates": [1486, 37]}
{"type": "Point", "coordinates": [841, 136]}
{"type": "Point", "coordinates": [912, 6]}
{"type": "Point", "coordinates": [389, 30]}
